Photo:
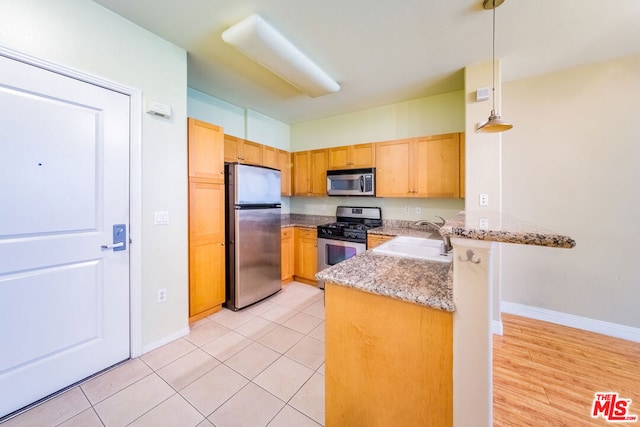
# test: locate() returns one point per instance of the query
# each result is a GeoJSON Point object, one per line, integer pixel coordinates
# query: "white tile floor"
{"type": "Point", "coordinates": [262, 366]}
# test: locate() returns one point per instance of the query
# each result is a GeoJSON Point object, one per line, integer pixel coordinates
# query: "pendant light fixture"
{"type": "Point", "coordinates": [494, 123]}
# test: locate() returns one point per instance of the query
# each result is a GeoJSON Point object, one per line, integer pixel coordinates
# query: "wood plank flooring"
{"type": "Point", "coordinates": [546, 374]}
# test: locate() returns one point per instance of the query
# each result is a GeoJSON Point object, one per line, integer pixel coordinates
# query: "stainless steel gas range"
{"type": "Point", "coordinates": [346, 237]}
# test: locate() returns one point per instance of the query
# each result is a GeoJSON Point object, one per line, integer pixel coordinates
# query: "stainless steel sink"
{"type": "Point", "coordinates": [414, 247]}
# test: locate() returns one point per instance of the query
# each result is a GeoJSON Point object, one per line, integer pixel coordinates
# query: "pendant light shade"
{"type": "Point", "coordinates": [494, 123]}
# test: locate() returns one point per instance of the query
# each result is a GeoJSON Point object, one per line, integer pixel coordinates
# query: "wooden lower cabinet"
{"type": "Point", "coordinates": [306, 255]}
{"type": "Point", "coordinates": [387, 362]}
{"type": "Point", "coordinates": [206, 279]}
{"type": "Point", "coordinates": [374, 240]}
{"type": "Point", "coordinates": [288, 254]}
{"type": "Point", "coordinates": [206, 249]}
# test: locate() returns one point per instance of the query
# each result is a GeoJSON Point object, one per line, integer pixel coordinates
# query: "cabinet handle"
{"type": "Point", "coordinates": [222, 243]}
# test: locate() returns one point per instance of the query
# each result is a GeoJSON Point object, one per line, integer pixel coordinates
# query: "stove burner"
{"type": "Point", "coordinates": [351, 225]}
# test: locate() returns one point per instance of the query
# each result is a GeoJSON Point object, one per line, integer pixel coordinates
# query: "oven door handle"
{"type": "Point", "coordinates": [362, 183]}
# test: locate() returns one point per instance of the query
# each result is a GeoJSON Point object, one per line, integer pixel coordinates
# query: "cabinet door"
{"type": "Point", "coordinates": [392, 169]}
{"type": "Point", "coordinates": [206, 211]}
{"type": "Point", "coordinates": [249, 152]}
{"type": "Point", "coordinates": [206, 248]}
{"type": "Point", "coordinates": [306, 254]}
{"type": "Point", "coordinates": [230, 148]}
{"type": "Point", "coordinates": [309, 256]}
{"type": "Point", "coordinates": [363, 156]}
{"type": "Point", "coordinates": [270, 157]}
{"type": "Point", "coordinates": [339, 158]}
{"type": "Point", "coordinates": [374, 240]}
{"type": "Point", "coordinates": [285, 166]}
{"type": "Point", "coordinates": [301, 173]}
{"type": "Point", "coordinates": [287, 253]}
{"type": "Point", "coordinates": [206, 276]}
{"type": "Point", "coordinates": [318, 179]}
{"type": "Point", "coordinates": [463, 165]}
{"type": "Point", "coordinates": [437, 166]}
{"type": "Point", "coordinates": [206, 150]}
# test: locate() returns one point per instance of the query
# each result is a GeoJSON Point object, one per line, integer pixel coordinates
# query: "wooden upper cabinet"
{"type": "Point", "coordinates": [270, 157]}
{"type": "Point", "coordinates": [250, 152]}
{"type": "Point", "coordinates": [319, 162]}
{"type": "Point", "coordinates": [419, 167]}
{"type": "Point", "coordinates": [242, 151]}
{"type": "Point", "coordinates": [286, 169]}
{"type": "Point", "coordinates": [301, 173]}
{"type": "Point", "coordinates": [352, 156]}
{"type": "Point", "coordinates": [437, 166]}
{"type": "Point", "coordinates": [205, 146]}
{"type": "Point", "coordinates": [463, 165]}
{"type": "Point", "coordinates": [393, 177]}
{"type": "Point", "coordinates": [310, 172]}
{"type": "Point", "coordinates": [230, 148]}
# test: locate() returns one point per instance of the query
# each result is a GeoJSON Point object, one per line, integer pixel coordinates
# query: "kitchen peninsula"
{"type": "Point", "coordinates": [408, 342]}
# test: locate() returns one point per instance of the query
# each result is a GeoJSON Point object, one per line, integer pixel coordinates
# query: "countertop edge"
{"type": "Point", "coordinates": [379, 282]}
{"type": "Point", "coordinates": [503, 229]}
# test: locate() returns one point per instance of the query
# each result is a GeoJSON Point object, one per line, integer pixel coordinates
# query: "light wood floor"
{"type": "Point", "coordinates": [546, 375]}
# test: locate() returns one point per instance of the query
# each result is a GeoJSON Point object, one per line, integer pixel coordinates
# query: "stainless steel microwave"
{"type": "Point", "coordinates": [352, 182]}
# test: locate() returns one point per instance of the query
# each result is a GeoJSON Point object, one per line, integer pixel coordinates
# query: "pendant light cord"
{"type": "Point", "coordinates": [493, 59]}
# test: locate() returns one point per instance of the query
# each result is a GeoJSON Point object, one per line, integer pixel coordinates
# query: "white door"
{"type": "Point", "coordinates": [64, 183]}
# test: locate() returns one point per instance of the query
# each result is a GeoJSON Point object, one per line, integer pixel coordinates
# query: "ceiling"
{"type": "Point", "coordinates": [384, 51]}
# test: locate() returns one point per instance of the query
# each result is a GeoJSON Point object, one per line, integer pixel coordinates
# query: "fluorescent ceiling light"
{"type": "Point", "coordinates": [254, 37]}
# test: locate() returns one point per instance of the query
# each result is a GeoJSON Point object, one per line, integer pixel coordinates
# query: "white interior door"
{"type": "Point", "coordinates": [64, 183]}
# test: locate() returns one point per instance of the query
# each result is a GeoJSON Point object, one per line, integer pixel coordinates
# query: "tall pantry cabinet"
{"type": "Point", "coordinates": [206, 219]}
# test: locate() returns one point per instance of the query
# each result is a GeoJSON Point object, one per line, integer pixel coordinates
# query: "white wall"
{"type": "Point", "coordinates": [424, 116]}
{"type": "Point", "coordinates": [571, 163]}
{"type": "Point", "coordinates": [237, 121]}
{"type": "Point", "coordinates": [83, 35]}
{"type": "Point", "coordinates": [483, 161]}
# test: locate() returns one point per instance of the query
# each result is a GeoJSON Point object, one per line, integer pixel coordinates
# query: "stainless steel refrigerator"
{"type": "Point", "coordinates": [252, 234]}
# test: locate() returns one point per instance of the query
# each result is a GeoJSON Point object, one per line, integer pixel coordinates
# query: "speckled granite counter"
{"type": "Point", "coordinates": [308, 221]}
{"type": "Point", "coordinates": [385, 230]}
{"type": "Point", "coordinates": [417, 281]}
{"type": "Point", "coordinates": [504, 229]}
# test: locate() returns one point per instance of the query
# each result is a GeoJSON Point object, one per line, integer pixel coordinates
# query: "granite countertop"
{"type": "Point", "coordinates": [395, 230]}
{"type": "Point", "coordinates": [502, 228]}
{"type": "Point", "coordinates": [427, 283]}
{"type": "Point", "coordinates": [308, 221]}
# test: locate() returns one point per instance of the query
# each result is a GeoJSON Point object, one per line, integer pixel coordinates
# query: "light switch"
{"type": "Point", "coordinates": [161, 218]}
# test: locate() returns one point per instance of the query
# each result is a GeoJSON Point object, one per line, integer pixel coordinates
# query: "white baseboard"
{"type": "Point", "coordinates": [592, 325]}
{"type": "Point", "coordinates": [496, 327]}
{"type": "Point", "coordinates": [166, 340]}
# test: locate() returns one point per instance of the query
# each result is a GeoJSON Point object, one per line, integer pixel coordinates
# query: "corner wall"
{"type": "Point", "coordinates": [83, 35]}
{"type": "Point", "coordinates": [571, 163]}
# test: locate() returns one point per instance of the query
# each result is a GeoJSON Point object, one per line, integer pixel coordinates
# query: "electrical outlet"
{"type": "Point", "coordinates": [418, 210]}
{"type": "Point", "coordinates": [483, 223]}
{"type": "Point", "coordinates": [484, 199]}
{"type": "Point", "coordinates": [162, 295]}
{"type": "Point", "coordinates": [406, 209]}
{"type": "Point", "coordinates": [323, 207]}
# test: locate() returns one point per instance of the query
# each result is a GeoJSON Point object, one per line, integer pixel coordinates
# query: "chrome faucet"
{"type": "Point", "coordinates": [446, 247]}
